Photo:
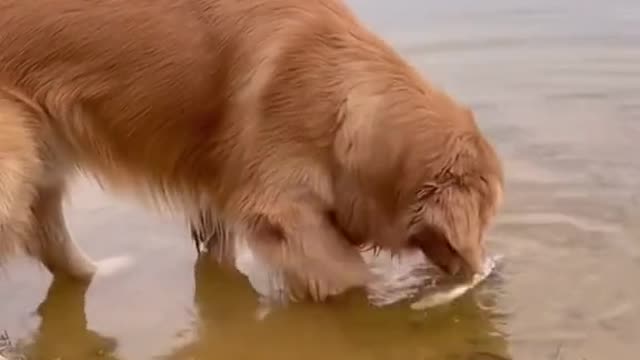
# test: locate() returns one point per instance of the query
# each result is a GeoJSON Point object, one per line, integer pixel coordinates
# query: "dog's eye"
{"type": "Point", "coordinates": [332, 216]}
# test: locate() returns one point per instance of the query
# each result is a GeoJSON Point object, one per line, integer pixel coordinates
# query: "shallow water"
{"type": "Point", "coordinates": [555, 84]}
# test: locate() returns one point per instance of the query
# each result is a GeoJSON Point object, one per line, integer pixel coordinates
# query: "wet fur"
{"type": "Point", "coordinates": [286, 121]}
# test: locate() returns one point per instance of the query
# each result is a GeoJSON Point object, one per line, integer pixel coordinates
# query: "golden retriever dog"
{"type": "Point", "coordinates": [285, 121]}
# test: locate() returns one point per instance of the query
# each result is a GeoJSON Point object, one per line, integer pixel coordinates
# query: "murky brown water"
{"type": "Point", "coordinates": [556, 85]}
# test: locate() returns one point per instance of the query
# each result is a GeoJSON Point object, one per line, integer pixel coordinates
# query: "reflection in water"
{"type": "Point", "coordinates": [63, 332]}
{"type": "Point", "coordinates": [226, 326]}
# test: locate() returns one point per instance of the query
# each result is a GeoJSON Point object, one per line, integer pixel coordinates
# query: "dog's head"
{"type": "Point", "coordinates": [456, 198]}
{"type": "Point", "coordinates": [428, 178]}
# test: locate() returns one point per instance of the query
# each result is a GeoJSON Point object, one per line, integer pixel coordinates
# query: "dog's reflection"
{"type": "Point", "coordinates": [227, 327]}
{"type": "Point", "coordinates": [63, 332]}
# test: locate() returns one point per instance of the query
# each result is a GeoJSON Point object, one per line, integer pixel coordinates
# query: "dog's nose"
{"type": "Point", "coordinates": [454, 266]}
{"type": "Point", "coordinates": [459, 267]}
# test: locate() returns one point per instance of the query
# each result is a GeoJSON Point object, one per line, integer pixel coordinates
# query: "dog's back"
{"type": "Point", "coordinates": [151, 85]}
{"type": "Point", "coordinates": [126, 78]}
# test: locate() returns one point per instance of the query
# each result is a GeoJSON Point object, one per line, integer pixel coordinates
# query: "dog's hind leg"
{"type": "Point", "coordinates": [56, 249]}
{"type": "Point", "coordinates": [31, 218]}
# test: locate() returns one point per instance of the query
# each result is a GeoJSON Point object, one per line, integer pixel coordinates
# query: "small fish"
{"type": "Point", "coordinates": [439, 295]}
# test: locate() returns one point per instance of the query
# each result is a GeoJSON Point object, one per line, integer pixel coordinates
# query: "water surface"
{"type": "Point", "coordinates": [555, 85]}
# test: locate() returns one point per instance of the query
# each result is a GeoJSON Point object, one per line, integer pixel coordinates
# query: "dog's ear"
{"type": "Point", "coordinates": [313, 255]}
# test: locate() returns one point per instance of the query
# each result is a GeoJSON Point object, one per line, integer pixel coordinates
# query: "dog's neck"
{"type": "Point", "coordinates": [394, 132]}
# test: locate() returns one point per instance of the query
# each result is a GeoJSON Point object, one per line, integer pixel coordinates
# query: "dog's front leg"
{"type": "Point", "coordinates": [204, 230]}
{"type": "Point", "coordinates": [212, 236]}
{"type": "Point", "coordinates": [299, 239]}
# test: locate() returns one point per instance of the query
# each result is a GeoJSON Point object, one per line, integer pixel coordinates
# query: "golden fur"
{"type": "Point", "coordinates": [287, 121]}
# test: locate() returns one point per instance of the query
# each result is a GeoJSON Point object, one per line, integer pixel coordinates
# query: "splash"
{"type": "Point", "coordinates": [438, 295]}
